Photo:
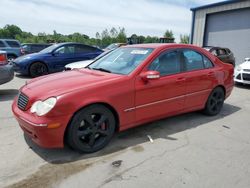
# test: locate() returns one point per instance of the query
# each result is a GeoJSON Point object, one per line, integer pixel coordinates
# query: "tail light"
{"type": "Point", "coordinates": [3, 59]}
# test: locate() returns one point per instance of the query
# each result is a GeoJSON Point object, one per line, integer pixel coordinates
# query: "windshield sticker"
{"type": "Point", "coordinates": [141, 52]}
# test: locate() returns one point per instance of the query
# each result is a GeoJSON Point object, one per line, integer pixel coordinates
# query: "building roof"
{"type": "Point", "coordinates": [216, 4]}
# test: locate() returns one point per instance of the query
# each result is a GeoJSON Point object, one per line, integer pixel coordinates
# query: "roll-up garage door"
{"type": "Point", "coordinates": [230, 29]}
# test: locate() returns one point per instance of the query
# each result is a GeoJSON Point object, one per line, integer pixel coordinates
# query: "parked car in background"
{"type": "Point", "coordinates": [12, 48]}
{"type": "Point", "coordinates": [29, 48]}
{"type": "Point", "coordinates": [83, 64]}
{"type": "Point", "coordinates": [132, 85]}
{"type": "Point", "coordinates": [54, 58]}
{"type": "Point", "coordinates": [242, 72]}
{"type": "Point", "coordinates": [224, 54]}
{"type": "Point", "coordinates": [6, 70]}
{"type": "Point", "coordinates": [114, 46]}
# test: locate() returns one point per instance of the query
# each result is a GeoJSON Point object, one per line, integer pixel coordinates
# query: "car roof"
{"type": "Point", "coordinates": [63, 43]}
{"type": "Point", "coordinates": [35, 44]}
{"type": "Point", "coordinates": [10, 40]}
{"type": "Point", "coordinates": [159, 45]}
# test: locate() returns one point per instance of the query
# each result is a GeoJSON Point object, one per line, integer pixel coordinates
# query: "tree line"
{"type": "Point", "coordinates": [102, 39]}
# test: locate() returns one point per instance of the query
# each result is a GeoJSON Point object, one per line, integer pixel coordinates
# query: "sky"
{"type": "Point", "coordinates": [143, 17]}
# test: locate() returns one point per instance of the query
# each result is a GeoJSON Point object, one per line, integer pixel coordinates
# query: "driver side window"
{"type": "Point", "coordinates": [166, 64]}
{"type": "Point", "coordinates": [66, 50]}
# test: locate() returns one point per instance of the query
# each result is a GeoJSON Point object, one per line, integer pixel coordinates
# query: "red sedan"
{"type": "Point", "coordinates": [128, 87]}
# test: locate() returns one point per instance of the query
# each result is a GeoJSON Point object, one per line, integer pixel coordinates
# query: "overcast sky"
{"type": "Point", "coordinates": [143, 17]}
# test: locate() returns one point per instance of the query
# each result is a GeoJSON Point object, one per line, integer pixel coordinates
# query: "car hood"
{"type": "Point", "coordinates": [27, 57]}
{"type": "Point", "coordinates": [245, 65]}
{"type": "Point", "coordinates": [61, 83]}
{"type": "Point", "coordinates": [79, 64]}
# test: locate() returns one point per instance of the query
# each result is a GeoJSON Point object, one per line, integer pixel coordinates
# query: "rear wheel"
{"type": "Point", "coordinates": [38, 69]}
{"type": "Point", "coordinates": [91, 129]}
{"type": "Point", "coordinates": [215, 102]}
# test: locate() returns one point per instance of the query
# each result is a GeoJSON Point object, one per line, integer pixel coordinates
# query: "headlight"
{"type": "Point", "coordinates": [238, 68]}
{"type": "Point", "coordinates": [43, 107]}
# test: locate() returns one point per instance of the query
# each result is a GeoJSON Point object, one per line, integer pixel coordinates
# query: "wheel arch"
{"type": "Point", "coordinates": [223, 87]}
{"type": "Point", "coordinates": [38, 61]}
{"type": "Point", "coordinates": [110, 107]}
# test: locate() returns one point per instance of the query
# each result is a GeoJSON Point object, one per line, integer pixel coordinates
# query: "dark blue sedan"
{"type": "Point", "coordinates": [54, 58]}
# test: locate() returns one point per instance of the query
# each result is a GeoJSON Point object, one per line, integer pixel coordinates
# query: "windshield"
{"type": "Point", "coordinates": [49, 49]}
{"type": "Point", "coordinates": [121, 61]}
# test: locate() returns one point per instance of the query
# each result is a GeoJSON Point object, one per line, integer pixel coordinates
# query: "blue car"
{"type": "Point", "coordinates": [54, 58]}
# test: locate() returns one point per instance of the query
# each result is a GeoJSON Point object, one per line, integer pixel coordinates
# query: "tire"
{"type": "Point", "coordinates": [38, 69]}
{"type": "Point", "coordinates": [11, 57]}
{"type": "Point", "coordinates": [215, 102]}
{"type": "Point", "coordinates": [91, 129]}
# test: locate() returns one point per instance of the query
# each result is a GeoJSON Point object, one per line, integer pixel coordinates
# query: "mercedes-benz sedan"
{"type": "Point", "coordinates": [129, 87]}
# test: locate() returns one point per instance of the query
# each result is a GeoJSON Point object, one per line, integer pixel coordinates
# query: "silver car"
{"type": "Point", "coordinates": [6, 69]}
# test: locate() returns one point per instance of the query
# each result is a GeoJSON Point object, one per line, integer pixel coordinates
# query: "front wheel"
{"type": "Point", "coordinates": [215, 102]}
{"type": "Point", "coordinates": [91, 129]}
{"type": "Point", "coordinates": [38, 69]}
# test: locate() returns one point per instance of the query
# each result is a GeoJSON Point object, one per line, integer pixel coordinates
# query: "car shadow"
{"type": "Point", "coordinates": [8, 94]}
{"type": "Point", "coordinates": [242, 86]}
{"type": "Point", "coordinates": [22, 76]}
{"type": "Point", "coordinates": [158, 129]}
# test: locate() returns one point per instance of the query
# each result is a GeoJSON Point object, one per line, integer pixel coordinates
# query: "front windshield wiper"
{"type": "Point", "coordinates": [102, 69]}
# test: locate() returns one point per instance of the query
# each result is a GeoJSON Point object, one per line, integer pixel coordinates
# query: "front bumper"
{"type": "Point", "coordinates": [20, 68]}
{"type": "Point", "coordinates": [242, 76]}
{"type": "Point", "coordinates": [6, 73]}
{"type": "Point", "coordinates": [37, 128]}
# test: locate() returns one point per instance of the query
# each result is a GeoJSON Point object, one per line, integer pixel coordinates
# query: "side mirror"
{"type": "Point", "coordinates": [150, 75]}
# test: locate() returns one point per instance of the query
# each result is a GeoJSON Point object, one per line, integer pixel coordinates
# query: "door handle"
{"type": "Point", "coordinates": [210, 74]}
{"type": "Point", "coordinates": [181, 79]}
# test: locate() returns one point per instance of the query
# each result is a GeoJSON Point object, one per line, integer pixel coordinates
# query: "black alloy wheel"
{"type": "Point", "coordinates": [91, 129]}
{"type": "Point", "coordinates": [38, 69]}
{"type": "Point", "coordinates": [215, 102]}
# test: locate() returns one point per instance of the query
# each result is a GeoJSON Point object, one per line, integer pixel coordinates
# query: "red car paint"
{"type": "Point", "coordinates": [134, 100]}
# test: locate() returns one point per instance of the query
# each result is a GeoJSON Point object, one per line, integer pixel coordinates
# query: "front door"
{"type": "Point", "coordinates": [163, 96]}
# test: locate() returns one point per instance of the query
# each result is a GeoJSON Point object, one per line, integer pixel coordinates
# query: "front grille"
{"type": "Point", "coordinates": [238, 77]}
{"type": "Point", "coordinates": [246, 70]}
{"type": "Point", "coordinates": [22, 101]}
{"type": "Point", "coordinates": [246, 77]}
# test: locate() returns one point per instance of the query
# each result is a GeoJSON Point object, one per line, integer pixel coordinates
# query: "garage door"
{"type": "Point", "coordinates": [230, 29]}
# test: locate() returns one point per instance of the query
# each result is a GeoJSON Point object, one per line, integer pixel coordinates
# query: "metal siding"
{"type": "Point", "coordinates": [230, 29]}
{"type": "Point", "coordinates": [200, 18]}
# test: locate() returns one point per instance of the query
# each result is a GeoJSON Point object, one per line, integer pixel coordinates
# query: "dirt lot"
{"type": "Point", "coordinates": [190, 150]}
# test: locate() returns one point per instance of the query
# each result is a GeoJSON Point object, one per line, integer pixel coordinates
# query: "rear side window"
{"type": "Point", "coordinates": [166, 64]}
{"type": "Point", "coordinates": [195, 61]}
{"type": "Point", "coordinates": [207, 63]}
{"type": "Point", "coordinates": [37, 48]}
{"type": "Point", "coordinates": [2, 44]}
{"type": "Point", "coordinates": [192, 60]}
{"type": "Point", "coordinates": [85, 49]}
{"type": "Point", "coordinates": [13, 44]}
{"type": "Point", "coordinates": [222, 52]}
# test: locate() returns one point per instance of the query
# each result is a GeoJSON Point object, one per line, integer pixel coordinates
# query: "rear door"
{"type": "Point", "coordinates": [84, 52]}
{"type": "Point", "coordinates": [200, 77]}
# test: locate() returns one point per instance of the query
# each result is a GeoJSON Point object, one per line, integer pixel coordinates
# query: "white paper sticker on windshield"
{"type": "Point", "coordinates": [141, 52]}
